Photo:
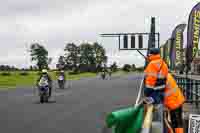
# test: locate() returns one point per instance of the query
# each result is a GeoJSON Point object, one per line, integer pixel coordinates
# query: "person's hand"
{"type": "Point", "coordinates": [148, 100]}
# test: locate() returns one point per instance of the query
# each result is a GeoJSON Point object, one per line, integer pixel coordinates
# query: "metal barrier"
{"type": "Point", "coordinates": [190, 88]}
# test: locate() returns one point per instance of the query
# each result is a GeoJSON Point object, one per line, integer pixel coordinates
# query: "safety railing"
{"type": "Point", "coordinates": [190, 88]}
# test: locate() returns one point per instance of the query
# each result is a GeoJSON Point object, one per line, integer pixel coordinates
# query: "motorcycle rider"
{"type": "Point", "coordinates": [103, 73]}
{"type": "Point", "coordinates": [62, 73]}
{"type": "Point", "coordinates": [110, 72]}
{"type": "Point", "coordinates": [49, 80]}
{"type": "Point", "coordinates": [61, 76]}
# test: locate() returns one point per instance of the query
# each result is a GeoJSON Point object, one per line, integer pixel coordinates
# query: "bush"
{"type": "Point", "coordinates": [5, 73]}
{"type": "Point", "coordinates": [76, 70]}
{"type": "Point", "coordinates": [114, 67]}
{"type": "Point", "coordinates": [24, 73]}
{"type": "Point", "coordinates": [126, 68]}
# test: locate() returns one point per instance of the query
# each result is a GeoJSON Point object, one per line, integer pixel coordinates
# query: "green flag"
{"type": "Point", "coordinates": [127, 120]}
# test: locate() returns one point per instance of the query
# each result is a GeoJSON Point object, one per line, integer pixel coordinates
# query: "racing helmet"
{"type": "Point", "coordinates": [44, 71]}
{"type": "Point", "coordinates": [62, 71]}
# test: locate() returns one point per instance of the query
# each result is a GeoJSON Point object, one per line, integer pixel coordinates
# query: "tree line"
{"type": "Point", "coordinates": [14, 68]}
{"type": "Point", "coordinates": [83, 57]}
{"type": "Point", "coordinates": [129, 68]}
{"type": "Point", "coordinates": [86, 57]}
{"type": "Point", "coordinates": [8, 68]}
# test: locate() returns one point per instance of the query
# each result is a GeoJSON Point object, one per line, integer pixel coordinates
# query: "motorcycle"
{"type": "Point", "coordinates": [61, 82]}
{"type": "Point", "coordinates": [43, 91]}
{"type": "Point", "coordinates": [103, 75]}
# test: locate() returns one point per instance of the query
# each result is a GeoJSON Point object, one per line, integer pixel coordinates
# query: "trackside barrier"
{"type": "Point", "coordinates": [190, 88]}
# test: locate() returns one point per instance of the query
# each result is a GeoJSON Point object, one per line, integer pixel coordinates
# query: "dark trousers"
{"type": "Point", "coordinates": [176, 118]}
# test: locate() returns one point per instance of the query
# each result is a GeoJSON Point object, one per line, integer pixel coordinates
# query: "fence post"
{"type": "Point", "coordinates": [184, 84]}
{"type": "Point", "coordinates": [196, 93]}
{"type": "Point", "coordinates": [190, 89]}
{"type": "Point", "coordinates": [186, 88]}
{"type": "Point", "coordinates": [181, 84]}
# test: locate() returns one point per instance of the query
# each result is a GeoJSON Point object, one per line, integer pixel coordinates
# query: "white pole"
{"type": "Point", "coordinates": [146, 127]}
{"type": "Point", "coordinates": [140, 92]}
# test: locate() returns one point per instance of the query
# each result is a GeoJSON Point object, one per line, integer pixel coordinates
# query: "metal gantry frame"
{"type": "Point", "coordinates": [150, 42]}
{"type": "Point", "coordinates": [118, 35]}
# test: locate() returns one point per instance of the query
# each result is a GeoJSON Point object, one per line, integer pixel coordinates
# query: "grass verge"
{"type": "Point", "coordinates": [16, 79]}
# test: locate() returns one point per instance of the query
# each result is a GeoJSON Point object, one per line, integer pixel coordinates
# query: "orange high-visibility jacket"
{"type": "Point", "coordinates": [156, 68]}
{"type": "Point", "coordinates": [173, 95]}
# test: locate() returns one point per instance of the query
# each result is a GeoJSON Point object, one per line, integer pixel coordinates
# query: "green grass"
{"type": "Point", "coordinates": [15, 79]}
{"type": "Point", "coordinates": [74, 76]}
{"type": "Point", "coordinates": [81, 75]}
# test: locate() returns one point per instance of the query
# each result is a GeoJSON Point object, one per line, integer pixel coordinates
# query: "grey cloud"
{"type": "Point", "coordinates": [14, 8]}
{"type": "Point", "coordinates": [54, 23]}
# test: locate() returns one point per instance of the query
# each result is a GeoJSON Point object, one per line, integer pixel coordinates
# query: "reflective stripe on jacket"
{"type": "Point", "coordinates": [173, 96]}
{"type": "Point", "coordinates": [156, 88]}
{"type": "Point", "coordinates": [157, 68]}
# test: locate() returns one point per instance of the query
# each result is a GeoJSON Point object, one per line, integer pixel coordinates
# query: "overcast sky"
{"type": "Point", "coordinates": [54, 23]}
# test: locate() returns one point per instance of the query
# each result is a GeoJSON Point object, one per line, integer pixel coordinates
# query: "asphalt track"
{"type": "Point", "coordinates": [80, 108]}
